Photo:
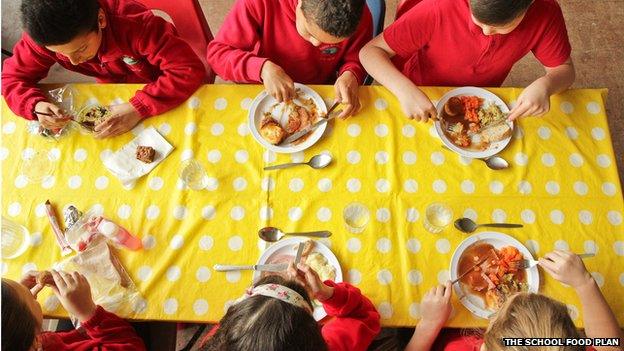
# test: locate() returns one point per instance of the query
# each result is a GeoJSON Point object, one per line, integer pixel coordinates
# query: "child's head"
{"type": "Point", "coordinates": [498, 16]}
{"type": "Point", "coordinates": [328, 21]}
{"type": "Point", "coordinates": [21, 317]}
{"type": "Point", "coordinates": [258, 322]}
{"type": "Point", "coordinates": [530, 315]}
{"type": "Point", "coordinates": [68, 27]}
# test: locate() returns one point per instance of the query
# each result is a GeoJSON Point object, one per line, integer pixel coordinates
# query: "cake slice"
{"type": "Point", "coordinates": [145, 154]}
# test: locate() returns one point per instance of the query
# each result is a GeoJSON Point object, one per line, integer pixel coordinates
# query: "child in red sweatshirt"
{"type": "Point", "coordinates": [276, 314]}
{"type": "Point", "coordinates": [471, 42]}
{"type": "Point", "coordinates": [276, 42]}
{"type": "Point", "coordinates": [523, 315]}
{"type": "Point", "coordinates": [111, 40]}
{"type": "Point", "coordinates": [22, 318]}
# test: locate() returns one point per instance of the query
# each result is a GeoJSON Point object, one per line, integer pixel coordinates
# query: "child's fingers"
{"type": "Point", "coordinates": [58, 280]}
{"type": "Point", "coordinates": [107, 123]}
{"type": "Point", "coordinates": [448, 291]}
{"type": "Point", "coordinates": [518, 111]}
{"type": "Point", "coordinates": [439, 290]}
{"type": "Point", "coordinates": [348, 111]}
{"type": "Point", "coordinates": [111, 129]}
{"type": "Point", "coordinates": [547, 264]}
{"type": "Point", "coordinates": [432, 113]}
{"type": "Point", "coordinates": [35, 290]}
{"type": "Point", "coordinates": [552, 256]}
{"type": "Point", "coordinates": [56, 111]}
{"type": "Point", "coordinates": [311, 275]}
{"type": "Point", "coordinates": [69, 280]}
{"type": "Point", "coordinates": [77, 277]}
{"type": "Point", "coordinates": [338, 94]}
{"type": "Point", "coordinates": [562, 253]}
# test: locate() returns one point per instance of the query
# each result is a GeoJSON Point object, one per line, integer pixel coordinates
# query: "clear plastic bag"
{"type": "Point", "coordinates": [111, 286]}
{"type": "Point", "coordinates": [88, 226]}
{"type": "Point", "coordinates": [64, 98]}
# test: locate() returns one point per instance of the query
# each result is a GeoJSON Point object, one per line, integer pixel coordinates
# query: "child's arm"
{"type": "Point", "coordinates": [356, 321]}
{"type": "Point", "coordinates": [111, 332]}
{"type": "Point", "coordinates": [104, 329]}
{"type": "Point", "coordinates": [600, 322]}
{"type": "Point", "coordinates": [233, 52]}
{"type": "Point", "coordinates": [535, 99]}
{"type": "Point", "coordinates": [351, 73]}
{"type": "Point", "coordinates": [553, 51]}
{"type": "Point", "coordinates": [375, 57]}
{"type": "Point", "coordinates": [182, 71]}
{"type": "Point", "coordinates": [435, 309]}
{"type": "Point", "coordinates": [20, 75]}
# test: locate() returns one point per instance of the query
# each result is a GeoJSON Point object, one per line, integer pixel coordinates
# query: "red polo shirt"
{"type": "Point", "coordinates": [137, 47]}
{"type": "Point", "coordinates": [258, 30]}
{"type": "Point", "coordinates": [440, 45]}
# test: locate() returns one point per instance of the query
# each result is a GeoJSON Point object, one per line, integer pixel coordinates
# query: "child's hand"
{"type": "Point", "coordinates": [276, 82]}
{"type": "Point", "coordinates": [307, 277]}
{"type": "Point", "coordinates": [29, 280]}
{"type": "Point", "coordinates": [55, 122]}
{"type": "Point", "coordinates": [74, 293]}
{"type": "Point", "coordinates": [123, 118]}
{"type": "Point", "coordinates": [346, 89]}
{"type": "Point", "coordinates": [566, 267]}
{"type": "Point", "coordinates": [416, 105]}
{"type": "Point", "coordinates": [435, 307]}
{"type": "Point", "coordinates": [533, 101]}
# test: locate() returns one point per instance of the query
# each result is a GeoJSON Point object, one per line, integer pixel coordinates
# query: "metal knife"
{"type": "Point", "coordinates": [273, 267]}
{"type": "Point", "coordinates": [299, 253]}
{"type": "Point", "coordinates": [308, 129]}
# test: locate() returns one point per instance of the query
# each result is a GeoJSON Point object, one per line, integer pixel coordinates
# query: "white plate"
{"type": "Point", "coordinates": [473, 303]}
{"type": "Point", "coordinates": [289, 247]}
{"type": "Point", "coordinates": [488, 98]}
{"type": "Point", "coordinates": [263, 103]}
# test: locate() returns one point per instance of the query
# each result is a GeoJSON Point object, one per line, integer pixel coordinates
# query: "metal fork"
{"type": "Point", "coordinates": [525, 264]}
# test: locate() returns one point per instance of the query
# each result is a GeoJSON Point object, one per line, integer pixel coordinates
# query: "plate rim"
{"type": "Point", "coordinates": [467, 153]}
{"type": "Point", "coordinates": [319, 311]}
{"type": "Point", "coordinates": [313, 139]}
{"type": "Point", "coordinates": [533, 284]}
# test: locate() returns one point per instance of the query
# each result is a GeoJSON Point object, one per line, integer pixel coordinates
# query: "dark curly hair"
{"type": "Point", "coordinates": [262, 323]}
{"type": "Point", "coordinates": [18, 323]}
{"type": "Point", "coordinates": [57, 22]}
{"type": "Point", "coordinates": [498, 12]}
{"type": "Point", "coordinates": [339, 18]}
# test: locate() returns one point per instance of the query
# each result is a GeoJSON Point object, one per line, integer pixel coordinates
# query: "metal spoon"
{"type": "Point", "coordinates": [316, 162]}
{"type": "Point", "coordinates": [493, 162]}
{"type": "Point", "coordinates": [272, 234]}
{"type": "Point", "coordinates": [467, 225]}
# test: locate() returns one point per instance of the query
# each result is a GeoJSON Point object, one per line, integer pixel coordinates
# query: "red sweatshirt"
{"type": "Point", "coordinates": [259, 30]}
{"type": "Point", "coordinates": [356, 321]}
{"type": "Point", "coordinates": [137, 47]}
{"type": "Point", "coordinates": [104, 331]}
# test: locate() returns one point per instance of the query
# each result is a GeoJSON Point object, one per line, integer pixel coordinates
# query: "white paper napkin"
{"type": "Point", "coordinates": [123, 163]}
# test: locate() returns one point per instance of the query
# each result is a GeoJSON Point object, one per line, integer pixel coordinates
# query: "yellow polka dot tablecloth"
{"type": "Point", "coordinates": [562, 185]}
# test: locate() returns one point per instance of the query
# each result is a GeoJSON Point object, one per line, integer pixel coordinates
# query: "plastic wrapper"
{"type": "Point", "coordinates": [84, 117]}
{"type": "Point", "coordinates": [64, 98]}
{"type": "Point", "coordinates": [71, 215]}
{"type": "Point", "coordinates": [89, 226]}
{"type": "Point", "coordinates": [111, 286]}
